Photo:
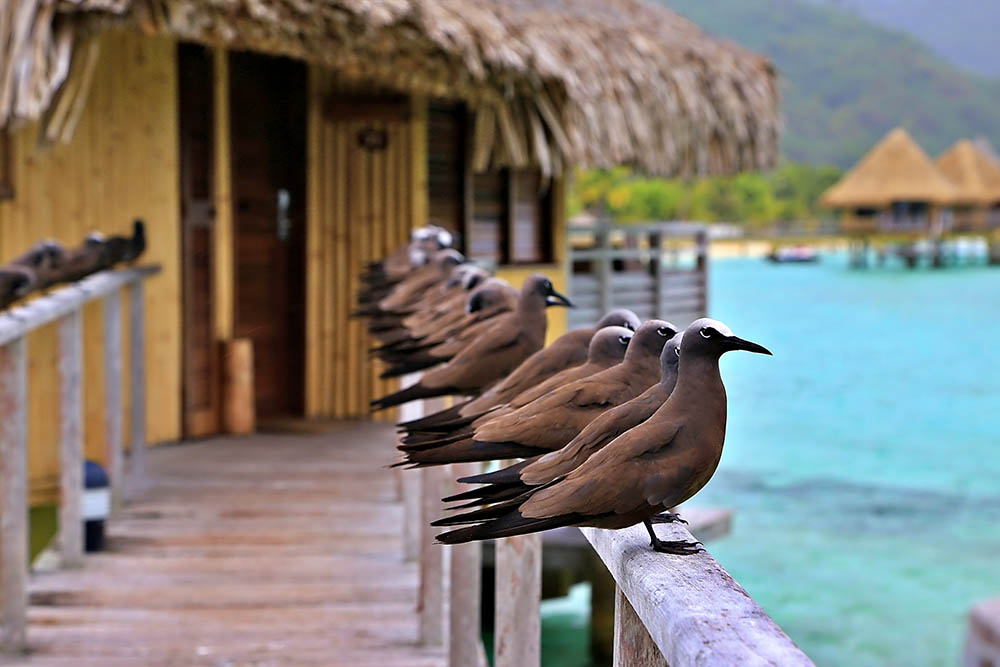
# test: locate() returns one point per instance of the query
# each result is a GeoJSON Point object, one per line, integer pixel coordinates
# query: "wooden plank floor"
{"type": "Point", "coordinates": [271, 550]}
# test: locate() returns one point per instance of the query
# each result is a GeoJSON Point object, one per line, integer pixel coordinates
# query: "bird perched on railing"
{"type": "Point", "coordinates": [510, 339]}
{"type": "Point", "coordinates": [514, 480]}
{"type": "Point", "coordinates": [15, 282]}
{"type": "Point", "coordinates": [126, 248]}
{"type": "Point", "coordinates": [45, 260]}
{"type": "Point", "coordinates": [652, 467]}
{"type": "Point", "coordinates": [89, 257]}
{"type": "Point", "coordinates": [567, 351]}
{"type": "Point", "coordinates": [554, 419]}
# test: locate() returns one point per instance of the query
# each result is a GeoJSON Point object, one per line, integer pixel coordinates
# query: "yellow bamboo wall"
{"type": "Point", "coordinates": [361, 205]}
{"type": "Point", "coordinates": [120, 165]}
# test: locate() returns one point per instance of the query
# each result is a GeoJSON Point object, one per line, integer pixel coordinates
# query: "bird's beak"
{"type": "Point", "coordinates": [736, 343]}
{"type": "Point", "coordinates": [556, 299]}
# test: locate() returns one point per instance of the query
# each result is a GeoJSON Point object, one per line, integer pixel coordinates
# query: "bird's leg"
{"type": "Point", "coordinates": [667, 517]}
{"type": "Point", "coordinates": [676, 547]}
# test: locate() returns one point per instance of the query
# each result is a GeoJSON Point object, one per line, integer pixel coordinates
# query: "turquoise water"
{"type": "Point", "coordinates": [863, 459]}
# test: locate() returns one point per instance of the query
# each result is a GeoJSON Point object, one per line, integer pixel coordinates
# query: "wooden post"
{"type": "Point", "coordinates": [465, 591]}
{"type": "Point", "coordinates": [518, 619]}
{"type": "Point", "coordinates": [137, 370]}
{"type": "Point", "coordinates": [701, 238]}
{"type": "Point", "coordinates": [13, 496]}
{"type": "Point", "coordinates": [633, 645]}
{"type": "Point", "coordinates": [71, 440]}
{"type": "Point", "coordinates": [656, 271]}
{"type": "Point", "coordinates": [432, 564]}
{"type": "Point", "coordinates": [238, 412]}
{"type": "Point", "coordinates": [412, 479]}
{"type": "Point", "coordinates": [603, 269]}
{"type": "Point", "coordinates": [113, 391]}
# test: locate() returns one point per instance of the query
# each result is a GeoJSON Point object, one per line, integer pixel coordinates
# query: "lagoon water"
{"type": "Point", "coordinates": [863, 459]}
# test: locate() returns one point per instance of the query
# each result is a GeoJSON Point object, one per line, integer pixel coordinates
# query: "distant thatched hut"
{"type": "Point", "coordinates": [274, 147]}
{"type": "Point", "coordinates": [894, 188]}
{"type": "Point", "coordinates": [977, 178]}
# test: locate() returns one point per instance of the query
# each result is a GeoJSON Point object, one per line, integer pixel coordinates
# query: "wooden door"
{"type": "Point", "coordinates": [197, 154]}
{"type": "Point", "coordinates": [268, 124]}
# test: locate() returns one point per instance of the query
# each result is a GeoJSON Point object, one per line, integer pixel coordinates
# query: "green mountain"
{"type": "Point", "coordinates": [846, 82]}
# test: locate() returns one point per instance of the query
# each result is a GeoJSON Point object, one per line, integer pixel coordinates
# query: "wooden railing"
{"type": "Point", "coordinates": [669, 610]}
{"type": "Point", "coordinates": [657, 270]}
{"type": "Point", "coordinates": [65, 307]}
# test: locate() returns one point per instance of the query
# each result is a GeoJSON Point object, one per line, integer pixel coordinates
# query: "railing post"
{"type": "Point", "coordinates": [518, 620]}
{"type": "Point", "coordinates": [701, 239]}
{"type": "Point", "coordinates": [13, 496]}
{"type": "Point", "coordinates": [433, 563]}
{"type": "Point", "coordinates": [465, 591]}
{"type": "Point", "coordinates": [411, 480]}
{"type": "Point", "coordinates": [113, 391]}
{"type": "Point", "coordinates": [71, 440]}
{"type": "Point", "coordinates": [633, 645]}
{"type": "Point", "coordinates": [656, 272]}
{"type": "Point", "coordinates": [137, 375]}
{"type": "Point", "coordinates": [603, 271]}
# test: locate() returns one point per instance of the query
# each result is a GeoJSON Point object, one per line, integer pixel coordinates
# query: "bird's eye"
{"type": "Point", "coordinates": [677, 351]}
{"type": "Point", "coordinates": [624, 339]}
{"type": "Point", "coordinates": [707, 332]}
{"type": "Point", "coordinates": [548, 285]}
{"type": "Point", "coordinates": [664, 331]}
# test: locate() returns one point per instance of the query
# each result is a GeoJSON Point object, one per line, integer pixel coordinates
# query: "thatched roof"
{"type": "Point", "coordinates": [975, 175]}
{"type": "Point", "coordinates": [593, 82]}
{"type": "Point", "coordinates": [896, 169]}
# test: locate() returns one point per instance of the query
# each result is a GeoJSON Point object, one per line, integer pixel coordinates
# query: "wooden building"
{"type": "Point", "coordinates": [894, 189]}
{"type": "Point", "coordinates": [273, 148]}
{"type": "Point", "coordinates": [977, 178]}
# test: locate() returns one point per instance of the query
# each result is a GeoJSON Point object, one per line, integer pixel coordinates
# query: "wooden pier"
{"type": "Point", "coordinates": [266, 550]}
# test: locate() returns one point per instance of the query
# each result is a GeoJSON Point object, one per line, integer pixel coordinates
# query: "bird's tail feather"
{"type": "Point", "coordinates": [506, 526]}
{"type": "Point", "coordinates": [430, 420]}
{"type": "Point", "coordinates": [411, 393]}
{"type": "Point", "coordinates": [467, 451]}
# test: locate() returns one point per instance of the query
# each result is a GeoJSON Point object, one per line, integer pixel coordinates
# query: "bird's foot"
{"type": "Point", "coordinates": [667, 517]}
{"type": "Point", "coordinates": [676, 547]}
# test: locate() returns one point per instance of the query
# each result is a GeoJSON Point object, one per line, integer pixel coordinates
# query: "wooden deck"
{"type": "Point", "coordinates": [271, 550]}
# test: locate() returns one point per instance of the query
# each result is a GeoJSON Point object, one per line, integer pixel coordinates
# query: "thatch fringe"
{"type": "Point", "coordinates": [553, 82]}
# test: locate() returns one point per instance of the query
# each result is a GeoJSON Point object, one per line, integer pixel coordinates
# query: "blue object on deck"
{"type": "Point", "coordinates": [96, 505]}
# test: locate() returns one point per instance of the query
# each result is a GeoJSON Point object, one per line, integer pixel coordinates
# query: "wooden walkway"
{"type": "Point", "coordinates": [270, 550]}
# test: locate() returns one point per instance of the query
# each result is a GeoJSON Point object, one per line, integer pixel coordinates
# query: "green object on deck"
{"type": "Point", "coordinates": [42, 525]}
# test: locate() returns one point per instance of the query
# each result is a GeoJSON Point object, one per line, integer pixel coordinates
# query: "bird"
{"type": "Point", "coordinates": [607, 349]}
{"type": "Point", "coordinates": [510, 339]}
{"type": "Point", "coordinates": [44, 259]}
{"type": "Point", "coordinates": [16, 281]}
{"type": "Point", "coordinates": [413, 287]}
{"type": "Point", "coordinates": [514, 480]}
{"type": "Point", "coordinates": [567, 351]}
{"type": "Point", "coordinates": [89, 257]}
{"type": "Point", "coordinates": [551, 421]}
{"type": "Point", "coordinates": [127, 249]}
{"type": "Point", "coordinates": [652, 467]}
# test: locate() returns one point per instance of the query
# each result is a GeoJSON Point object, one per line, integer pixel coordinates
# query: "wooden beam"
{"type": "Point", "coordinates": [433, 565]}
{"type": "Point", "coordinates": [113, 392]}
{"type": "Point", "coordinates": [223, 242]}
{"type": "Point", "coordinates": [518, 619]}
{"type": "Point", "coordinates": [137, 370]}
{"type": "Point", "coordinates": [70, 538]}
{"type": "Point", "coordinates": [13, 496]}
{"type": "Point", "coordinates": [633, 645]}
{"type": "Point", "coordinates": [464, 590]}
{"type": "Point", "coordinates": [693, 609]}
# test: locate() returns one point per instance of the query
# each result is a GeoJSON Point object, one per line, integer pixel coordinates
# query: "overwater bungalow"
{"type": "Point", "coordinates": [977, 179]}
{"type": "Point", "coordinates": [894, 189]}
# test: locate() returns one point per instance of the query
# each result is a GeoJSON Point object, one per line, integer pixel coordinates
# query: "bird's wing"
{"type": "Point", "coordinates": [627, 475]}
{"type": "Point", "coordinates": [477, 360]}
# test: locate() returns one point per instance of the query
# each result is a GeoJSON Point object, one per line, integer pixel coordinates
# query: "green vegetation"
{"type": "Point", "coordinates": [846, 81]}
{"type": "Point", "coordinates": [790, 192]}
{"type": "Point", "coordinates": [42, 525]}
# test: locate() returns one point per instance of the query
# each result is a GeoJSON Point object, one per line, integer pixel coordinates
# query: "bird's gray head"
{"type": "Point", "coordinates": [650, 339]}
{"type": "Point", "coordinates": [473, 278]}
{"type": "Point", "coordinates": [620, 317]}
{"type": "Point", "coordinates": [538, 290]}
{"type": "Point", "coordinates": [448, 259]}
{"type": "Point", "coordinates": [710, 338]}
{"type": "Point", "coordinates": [609, 345]}
{"type": "Point", "coordinates": [18, 280]}
{"type": "Point", "coordinates": [53, 250]}
{"type": "Point", "coordinates": [422, 233]}
{"type": "Point", "coordinates": [94, 239]}
{"type": "Point", "coordinates": [444, 238]}
{"type": "Point", "coordinates": [670, 360]}
{"type": "Point", "coordinates": [492, 293]}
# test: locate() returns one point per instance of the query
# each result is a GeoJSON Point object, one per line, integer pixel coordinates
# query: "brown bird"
{"type": "Point", "coordinates": [567, 351]}
{"type": "Point", "coordinates": [127, 248]}
{"type": "Point", "coordinates": [514, 480]}
{"type": "Point", "coordinates": [607, 349]}
{"type": "Point", "coordinates": [414, 286]}
{"type": "Point", "coordinates": [493, 298]}
{"type": "Point", "coordinates": [648, 469]}
{"type": "Point", "coordinates": [45, 261]}
{"type": "Point", "coordinates": [15, 282]}
{"type": "Point", "coordinates": [511, 338]}
{"type": "Point", "coordinates": [550, 422]}
{"type": "Point", "coordinates": [90, 257]}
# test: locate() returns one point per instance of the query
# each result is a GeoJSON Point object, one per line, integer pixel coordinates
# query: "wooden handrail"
{"type": "Point", "coordinates": [686, 608]}
{"type": "Point", "coordinates": [65, 306]}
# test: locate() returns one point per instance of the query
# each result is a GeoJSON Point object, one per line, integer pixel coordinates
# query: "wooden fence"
{"type": "Point", "coordinates": [64, 305]}
{"type": "Point", "coordinates": [669, 610]}
{"type": "Point", "coordinates": [658, 270]}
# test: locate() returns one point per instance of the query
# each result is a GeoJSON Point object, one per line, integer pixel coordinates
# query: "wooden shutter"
{"type": "Point", "coordinates": [446, 165]}
{"type": "Point", "coordinates": [487, 230]}
{"type": "Point", "coordinates": [530, 233]}
{"type": "Point", "coordinates": [6, 165]}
